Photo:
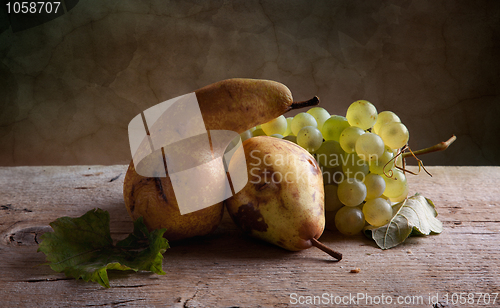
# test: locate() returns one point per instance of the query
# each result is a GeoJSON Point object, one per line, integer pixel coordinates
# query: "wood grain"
{"type": "Point", "coordinates": [227, 269]}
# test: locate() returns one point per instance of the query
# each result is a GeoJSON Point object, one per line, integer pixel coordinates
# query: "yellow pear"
{"type": "Point", "coordinates": [283, 201]}
{"type": "Point", "coordinates": [239, 104]}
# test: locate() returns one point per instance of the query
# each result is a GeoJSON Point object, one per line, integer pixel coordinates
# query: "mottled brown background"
{"type": "Point", "coordinates": [70, 86]}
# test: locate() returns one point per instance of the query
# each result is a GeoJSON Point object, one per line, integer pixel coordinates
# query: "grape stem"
{"type": "Point", "coordinates": [328, 250]}
{"type": "Point", "coordinates": [312, 102]}
{"type": "Point", "coordinates": [419, 161]}
{"type": "Point", "coordinates": [435, 148]}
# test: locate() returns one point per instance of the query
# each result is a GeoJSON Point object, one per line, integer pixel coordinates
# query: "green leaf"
{"type": "Point", "coordinates": [82, 248]}
{"type": "Point", "coordinates": [414, 216]}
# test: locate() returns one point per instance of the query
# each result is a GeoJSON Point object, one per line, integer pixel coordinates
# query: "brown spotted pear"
{"type": "Point", "coordinates": [283, 201]}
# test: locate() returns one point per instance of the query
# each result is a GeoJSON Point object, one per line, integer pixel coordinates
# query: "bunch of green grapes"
{"type": "Point", "coordinates": [359, 157]}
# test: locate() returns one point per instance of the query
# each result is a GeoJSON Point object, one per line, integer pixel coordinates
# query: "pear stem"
{"type": "Point", "coordinates": [312, 102]}
{"type": "Point", "coordinates": [328, 250]}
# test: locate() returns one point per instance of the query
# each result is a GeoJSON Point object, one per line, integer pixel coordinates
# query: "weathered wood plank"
{"type": "Point", "coordinates": [226, 269]}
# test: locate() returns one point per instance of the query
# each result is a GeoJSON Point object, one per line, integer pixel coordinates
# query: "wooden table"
{"type": "Point", "coordinates": [227, 269]}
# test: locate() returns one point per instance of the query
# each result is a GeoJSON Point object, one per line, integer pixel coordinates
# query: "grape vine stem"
{"type": "Point", "coordinates": [435, 148]}
{"type": "Point", "coordinates": [337, 255]}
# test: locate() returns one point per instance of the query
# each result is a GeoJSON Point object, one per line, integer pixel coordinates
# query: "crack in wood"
{"type": "Point", "coordinates": [136, 286]}
{"type": "Point", "coordinates": [5, 206]}
{"type": "Point", "coordinates": [27, 236]}
{"type": "Point", "coordinates": [92, 174]}
{"type": "Point", "coordinates": [115, 178]}
{"type": "Point", "coordinates": [8, 206]}
{"type": "Point", "coordinates": [116, 302]}
{"type": "Point", "coordinates": [191, 302]}
{"type": "Point", "coordinates": [47, 279]}
{"type": "Point", "coordinates": [477, 233]}
{"type": "Point", "coordinates": [495, 221]}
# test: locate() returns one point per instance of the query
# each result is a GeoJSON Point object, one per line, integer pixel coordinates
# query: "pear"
{"type": "Point", "coordinates": [283, 201]}
{"type": "Point", "coordinates": [232, 105]}
{"type": "Point", "coordinates": [239, 104]}
{"type": "Point", "coordinates": [153, 198]}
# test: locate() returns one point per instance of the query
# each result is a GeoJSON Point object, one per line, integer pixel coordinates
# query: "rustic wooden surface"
{"type": "Point", "coordinates": [227, 269]}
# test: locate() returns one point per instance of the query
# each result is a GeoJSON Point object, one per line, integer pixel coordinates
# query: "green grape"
{"type": "Point", "coordinates": [258, 132]}
{"type": "Point", "coordinates": [252, 129]}
{"type": "Point", "coordinates": [348, 138]}
{"type": "Point", "coordinates": [291, 138]}
{"type": "Point", "coordinates": [362, 114]}
{"type": "Point", "coordinates": [288, 126]}
{"type": "Point", "coordinates": [275, 126]}
{"type": "Point", "coordinates": [396, 184]}
{"type": "Point", "coordinates": [383, 118]}
{"type": "Point", "coordinates": [394, 134]}
{"type": "Point", "coordinates": [277, 136]}
{"type": "Point", "coordinates": [351, 192]}
{"type": "Point", "coordinates": [330, 154]}
{"type": "Point", "coordinates": [302, 120]}
{"type": "Point", "coordinates": [246, 135]}
{"type": "Point", "coordinates": [369, 146]}
{"type": "Point", "coordinates": [375, 186]}
{"type": "Point", "coordinates": [309, 137]}
{"type": "Point", "coordinates": [320, 114]}
{"type": "Point", "coordinates": [333, 127]}
{"type": "Point", "coordinates": [401, 197]}
{"type": "Point", "coordinates": [355, 167]}
{"type": "Point", "coordinates": [378, 212]}
{"type": "Point", "coordinates": [349, 220]}
{"type": "Point", "coordinates": [332, 202]}
{"type": "Point", "coordinates": [384, 162]}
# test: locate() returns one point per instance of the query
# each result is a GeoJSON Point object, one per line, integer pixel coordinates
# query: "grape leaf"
{"type": "Point", "coordinates": [82, 248]}
{"type": "Point", "coordinates": [413, 216]}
